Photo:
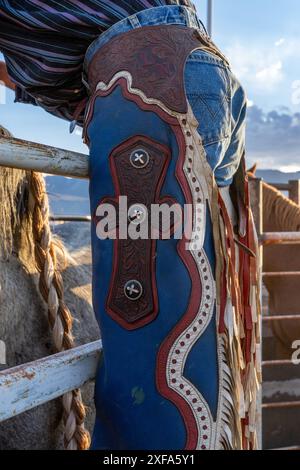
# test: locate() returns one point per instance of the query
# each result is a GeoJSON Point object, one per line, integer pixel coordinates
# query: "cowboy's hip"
{"type": "Point", "coordinates": [216, 97]}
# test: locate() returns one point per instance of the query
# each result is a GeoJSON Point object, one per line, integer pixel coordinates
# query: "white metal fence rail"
{"type": "Point", "coordinates": [29, 385]}
{"type": "Point", "coordinates": [24, 155]}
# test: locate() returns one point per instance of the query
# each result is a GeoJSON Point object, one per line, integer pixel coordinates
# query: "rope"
{"type": "Point", "coordinates": [76, 437]}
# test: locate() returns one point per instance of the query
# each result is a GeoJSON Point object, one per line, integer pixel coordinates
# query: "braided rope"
{"type": "Point", "coordinates": [76, 437]}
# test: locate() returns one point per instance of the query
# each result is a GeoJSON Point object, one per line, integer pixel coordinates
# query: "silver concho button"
{"type": "Point", "coordinates": [139, 158]}
{"type": "Point", "coordinates": [137, 214]}
{"type": "Point", "coordinates": [133, 290]}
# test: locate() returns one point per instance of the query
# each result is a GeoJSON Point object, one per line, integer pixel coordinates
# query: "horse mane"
{"type": "Point", "coordinates": [13, 216]}
{"type": "Point", "coordinates": [25, 231]}
{"type": "Point", "coordinates": [285, 213]}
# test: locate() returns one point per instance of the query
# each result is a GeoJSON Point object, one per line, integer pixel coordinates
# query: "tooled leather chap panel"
{"type": "Point", "coordinates": [155, 58]}
{"type": "Point", "coordinates": [163, 374]}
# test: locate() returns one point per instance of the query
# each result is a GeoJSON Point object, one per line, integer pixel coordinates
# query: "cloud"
{"type": "Point", "coordinates": [280, 42]}
{"type": "Point", "coordinates": [270, 75]}
{"type": "Point", "coordinates": [296, 92]}
{"type": "Point", "coordinates": [262, 66]}
{"type": "Point", "coordinates": [273, 139]}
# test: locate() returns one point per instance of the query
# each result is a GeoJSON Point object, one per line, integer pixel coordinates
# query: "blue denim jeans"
{"type": "Point", "coordinates": [216, 96]}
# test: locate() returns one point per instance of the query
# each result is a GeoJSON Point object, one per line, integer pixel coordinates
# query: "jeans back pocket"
{"type": "Point", "coordinates": [208, 91]}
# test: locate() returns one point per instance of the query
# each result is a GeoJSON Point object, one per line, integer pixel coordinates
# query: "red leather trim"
{"type": "Point", "coordinates": [189, 315]}
{"type": "Point", "coordinates": [241, 298]}
{"type": "Point", "coordinates": [222, 326]}
{"type": "Point", "coordinates": [122, 82]}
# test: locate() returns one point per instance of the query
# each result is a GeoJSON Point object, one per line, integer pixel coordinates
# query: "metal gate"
{"type": "Point", "coordinates": [293, 189]}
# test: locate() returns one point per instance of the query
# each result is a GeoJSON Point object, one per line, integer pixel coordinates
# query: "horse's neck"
{"type": "Point", "coordinates": [280, 214]}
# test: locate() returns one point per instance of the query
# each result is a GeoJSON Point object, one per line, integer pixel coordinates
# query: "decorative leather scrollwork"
{"type": "Point", "coordinates": [155, 57]}
{"type": "Point", "coordinates": [138, 168]}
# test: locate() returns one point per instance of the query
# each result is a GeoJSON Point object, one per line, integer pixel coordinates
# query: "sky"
{"type": "Point", "coordinates": [261, 38]}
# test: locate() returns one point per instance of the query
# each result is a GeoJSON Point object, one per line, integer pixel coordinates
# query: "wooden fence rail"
{"type": "Point", "coordinates": [281, 238]}
{"type": "Point", "coordinates": [292, 187]}
{"type": "Point", "coordinates": [27, 386]}
{"type": "Point", "coordinates": [24, 155]}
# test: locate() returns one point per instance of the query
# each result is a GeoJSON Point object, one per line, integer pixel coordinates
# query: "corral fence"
{"type": "Point", "coordinates": [275, 238]}
{"type": "Point", "coordinates": [27, 386]}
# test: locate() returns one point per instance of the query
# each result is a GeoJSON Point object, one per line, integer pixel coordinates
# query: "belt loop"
{"type": "Point", "coordinates": [188, 17]}
{"type": "Point", "coordinates": [134, 21]}
{"type": "Point", "coordinates": [192, 18]}
{"type": "Point", "coordinates": [196, 23]}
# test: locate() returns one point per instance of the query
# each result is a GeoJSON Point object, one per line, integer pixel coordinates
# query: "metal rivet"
{"type": "Point", "coordinates": [139, 158]}
{"type": "Point", "coordinates": [133, 290]}
{"type": "Point", "coordinates": [137, 214]}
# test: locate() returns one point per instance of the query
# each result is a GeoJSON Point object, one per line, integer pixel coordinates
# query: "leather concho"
{"type": "Point", "coordinates": [138, 169]}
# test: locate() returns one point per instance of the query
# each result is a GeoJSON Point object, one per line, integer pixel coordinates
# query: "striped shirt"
{"type": "Point", "coordinates": [44, 44]}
